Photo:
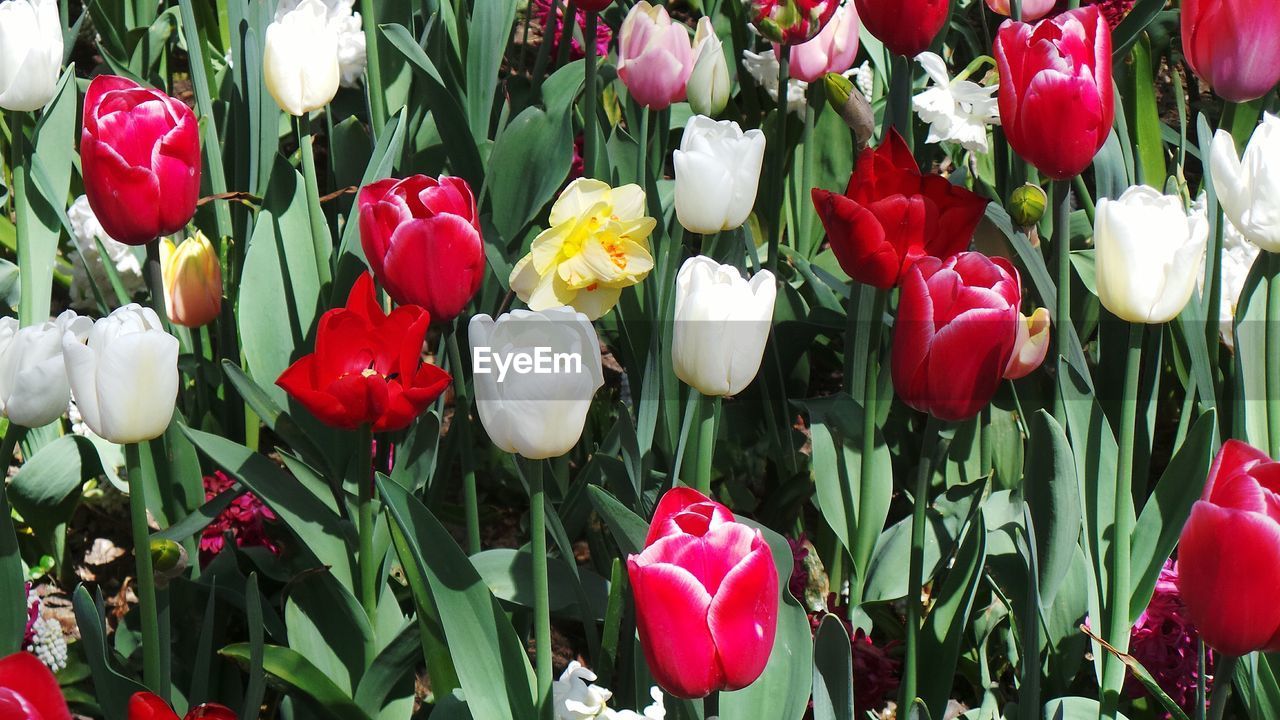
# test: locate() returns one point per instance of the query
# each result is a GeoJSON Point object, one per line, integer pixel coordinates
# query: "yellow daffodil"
{"type": "Point", "coordinates": [598, 244]}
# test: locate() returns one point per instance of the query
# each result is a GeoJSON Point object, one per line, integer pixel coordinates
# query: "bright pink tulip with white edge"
{"type": "Point", "coordinates": [706, 592]}
{"type": "Point", "coordinates": [655, 56]}
{"type": "Point", "coordinates": [1032, 10]}
{"type": "Point", "coordinates": [1231, 44]}
{"type": "Point", "coordinates": [832, 51]}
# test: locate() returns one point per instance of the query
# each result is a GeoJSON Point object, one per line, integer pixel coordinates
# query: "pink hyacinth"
{"type": "Point", "coordinates": [1165, 642]}
{"type": "Point", "coordinates": [542, 13]}
{"type": "Point", "coordinates": [246, 519]}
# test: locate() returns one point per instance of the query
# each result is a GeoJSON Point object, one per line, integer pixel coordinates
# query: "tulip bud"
{"type": "Point", "coordinates": [717, 174]}
{"type": "Point", "coordinates": [192, 281]}
{"type": "Point", "coordinates": [906, 27]}
{"type": "Point", "coordinates": [791, 21]}
{"type": "Point", "coordinates": [300, 59]}
{"type": "Point", "coordinates": [1149, 255]}
{"type": "Point", "coordinates": [140, 157]}
{"type": "Point", "coordinates": [708, 88]}
{"type": "Point", "coordinates": [30, 53]}
{"type": "Point", "coordinates": [1032, 10]}
{"type": "Point", "coordinates": [655, 58]}
{"type": "Point", "coordinates": [1027, 204]}
{"type": "Point", "coordinates": [1231, 45]}
{"type": "Point", "coordinates": [722, 323]}
{"type": "Point", "coordinates": [1247, 190]}
{"type": "Point", "coordinates": [125, 375]}
{"type": "Point", "coordinates": [1031, 345]}
{"type": "Point", "coordinates": [169, 559]}
{"type": "Point", "coordinates": [852, 106]}
{"type": "Point", "coordinates": [33, 379]}
{"type": "Point", "coordinates": [529, 407]}
{"type": "Point", "coordinates": [1229, 553]}
{"type": "Point", "coordinates": [706, 594]}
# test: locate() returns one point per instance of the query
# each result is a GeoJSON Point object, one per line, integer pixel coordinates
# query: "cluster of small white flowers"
{"type": "Point", "coordinates": [576, 698]}
{"type": "Point", "coordinates": [764, 69]}
{"type": "Point", "coordinates": [956, 110]}
{"type": "Point", "coordinates": [87, 231]}
{"type": "Point", "coordinates": [345, 22]}
{"type": "Point", "coordinates": [48, 643]}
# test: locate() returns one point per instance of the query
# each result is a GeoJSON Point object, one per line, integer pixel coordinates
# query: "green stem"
{"type": "Point", "coordinates": [690, 411]}
{"type": "Point", "coordinates": [707, 443]}
{"type": "Point", "coordinates": [900, 99]}
{"type": "Point", "coordinates": [373, 71]}
{"type": "Point", "coordinates": [462, 416]}
{"type": "Point", "coordinates": [319, 230]}
{"type": "Point", "coordinates": [28, 313]}
{"type": "Point", "coordinates": [1213, 292]}
{"type": "Point", "coordinates": [780, 166]}
{"type": "Point", "coordinates": [1222, 685]}
{"type": "Point", "coordinates": [152, 671]}
{"type": "Point", "coordinates": [566, 36]}
{"type": "Point", "coordinates": [12, 627]}
{"type": "Point", "coordinates": [868, 532]}
{"type": "Point", "coordinates": [1273, 352]}
{"type": "Point", "coordinates": [544, 48]}
{"type": "Point", "coordinates": [1062, 311]}
{"type": "Point", "coordinates": [642, 150]}
{"type": "Point", "coordinates": [1201, 696]}
{"type": "Point", "coordinates": [368, 566]}
{"type": "Point", "coordinates": [1118, 625]}
{"type": "Point", "coordinates": [934, 446]}
{"type": "Point", "coordinates": [541, 597]}
{"type": "Point", "coordinates": [589, 120]}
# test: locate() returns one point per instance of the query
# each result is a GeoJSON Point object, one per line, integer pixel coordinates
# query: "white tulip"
{"type": "Point", "coordinates": [722, 323]}
{"type": "Point", "coordinates": [33, 379]}
{"type": "Point", "coordinates": [708, 88]}
{"type": "Point", "coordinates": [535, 374]}
{"type": "Point", "coordinates": [30, 53]}
{"type": "Point", "coordinates": [1250, 190]}
{"type": "Point", "coordinates": [717, 174]}
{"type": "Point", "coordinates": [300, 61]}
{"type": "Point", "coordinates": [125, 377]}
{"type": "Point", "coordinates": [349, 29]}
{"type": "Point", "coordinates": [1150, 253]}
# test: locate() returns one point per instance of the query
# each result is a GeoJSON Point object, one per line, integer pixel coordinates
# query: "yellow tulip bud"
{"type": "Point", "coordinates": [192, 281]}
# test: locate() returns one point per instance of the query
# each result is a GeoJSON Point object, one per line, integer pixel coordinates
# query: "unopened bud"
{"type": "Point", "coordinates": [1027, 204]}
{"type": "Point", "coordinates": [851, 106]}
{"type": "Point", "coordinates": [169, 559]}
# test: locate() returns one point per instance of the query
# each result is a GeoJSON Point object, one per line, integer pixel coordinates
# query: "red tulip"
{"type": "Point", "coordinates": [956, 329]}
{"type": "Point", "coordinates": [791, 21]}
{"type": "Point", "coordinates": [1231, 44]}
{"type": "Point", "coordinates": [1056, 97]}
{"type": "Point", "coordinates": [906, 27]}
{"type": "Point", "coordinates": [140, 158]}
{"type": "Point", "coordinates": [706, 592]}
{"type": "Point", "coordinates": [367, 367]}
{"type": "Point", "coordinates": [422, 239]}
{"type": "Point", "coordinates": [891, 215]}
{"type": "Point", "coordinates": [29, 691]}
{"type": "Point", "coordinates": [1229, 553]}
{"type": "Point", "coordinates": [145, 706]}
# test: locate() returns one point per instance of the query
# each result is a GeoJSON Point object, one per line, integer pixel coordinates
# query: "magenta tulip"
{"type": "Point", "coordinates": [1056, 97]}
{"type": "Point", "coordinates": [422, 239]}
{"type": "Point", "coordinates": [1229, 553]}
{"type": "Point", "coordinates": [140, 158]}
{"type": "Point", "coordinates": [956, 329]}
{"type": "Point", "coordinates": [1231, 44]}
{"type": "Point", "coordinates": [706, 592]}
{"type": "Point", "coordinates": [655, 56]}
{"type": "Point", "coordinates": [906, 27]}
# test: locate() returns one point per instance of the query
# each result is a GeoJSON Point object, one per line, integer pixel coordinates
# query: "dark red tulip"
{"type": "Point", "coordinates": [367, 367]}
{"type": "Point", "coordinates": [891, 215]}
{"type": "Point", "coordinates": [29, 691]}
{"type": "Point", "coordinates": [906, 27]}
{"type": "Point", "coordinates": [1229, 553]}
{"type": "Point", "coordinates": [956, 329]}
{"type": "Point", "coordinates": [1056, 95]}
{"type": "Point", "coordinates": [145, 706]}
{"type": "Point", "coordinates": [140, 158]}
{"type": "Point", "coordinates": [593, 5]}
{"type": "Point", "coordinates": [422, 239]}
{"type": "Point", "coordinates": [1231, 44]}
{"type": "Point", "coordinates": [706, 592]}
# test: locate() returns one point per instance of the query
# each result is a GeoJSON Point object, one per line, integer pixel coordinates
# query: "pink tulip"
{"type": "Point", "coordinates": [1032, 10]}
{"type": "Point", "coordinates": [1231, 44]}
{"type": "Point", "coordinates": [833, 50]}
{"type": "Point", "coordinates": [706, 593]}
{"type": "Point", "coordinates": [655, 56]}
{"type": "Point", "coordinates": [1031, 346]}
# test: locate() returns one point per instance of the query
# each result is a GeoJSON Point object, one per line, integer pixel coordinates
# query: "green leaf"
{"type": "Point", "coordinates": [629, 530]}
{"type": "Point", "coordinates": [1251, 391]}
{"type": "Point", "coordinates": [387, 154]}
{"type": "Point", "coordinates": [328, 627]}
{"type": "Point", "coordinates": [113, 689]}
{"type": "Point", "coordinates": [1074, 708]}
{"type": "Point", "coordinates": [832, 672]}
{"type": "Point", "coordinates": [392, 664]}
{"type": "Point", "coordinates": [46, 488]}
{"type": "Point", "coordinates": [1146, 126]}
{"type": "Point", "coordinates": [295, 673]}
{"type": "Point", "coordinates": [13, 596]}
{"type": "Point", "coordinates": [509, 575]}
{"type": "Point", "coordinates": [277, 420]}
{"type": "Point", "coordinates": [1052, 489]}
{"type": "Point", "coordinates": [481, 640]}
{"type": "Point", "coordinates": [944, 628]}
{"type": "Point", "coordinates": [1141, 674]}
{"type": "Point", "coordinates": [488, 33]}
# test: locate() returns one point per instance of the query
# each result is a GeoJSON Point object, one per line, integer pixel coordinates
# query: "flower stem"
{"type": "Point", "coordinates": [541, 597]}
{"type": "Point", "coordinates": [1062, 311]}
{"type": "Point", "coordinates": [900, 99]}
{"type": "Point", "coordinates": [868, 532]}
{"type": "Point", "coordinates": [462, 416]}
{"type": "Point", "coordinates": [935, 446]}
{"type": "Point", "coordinates": [1225, 669]}
{"type": "Point", "coordinates": [589, 120]}
{"type": "Point", "coordinates": [13, 627]}
{"type": "Point", "coordinates": [28, 311]}
{"type": "Point", "coordinates": [154, 276]}
{"type": "Point", "coordinates": [364, 480]}
{"type": "Point", "coordinates": [319, 232]}
{"type": "Point", "coordinates": [707, 422]}
{"type": "Point", "coordinates": [373, 70]}
{"type": "Point", "coordinates": [690, 411]}
{"type": "Point", "coordinates": [780, 151]}
{"type": "Point", "coordinates": [151, 669]}
{"type": "Point", "coordinates": [1118, 626]}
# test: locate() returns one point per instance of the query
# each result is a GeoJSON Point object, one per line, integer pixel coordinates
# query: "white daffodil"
{"type": "Point", "coordinates": [956, 110]}
{"type": "Point", "coordinates": [574, 695]}
{"type": "Point", "coordinates": [763, 68]}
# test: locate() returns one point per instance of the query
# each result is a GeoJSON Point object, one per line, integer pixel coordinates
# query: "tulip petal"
{"type": "Point", "coordinates": [743, 617]}
{"type": "Point", "coordinates": [137, 385]}
{"type": "Point", "coordinates": [683, 509]}
{"type": "Point", "coordinates": [29, 680]}
{"type": "Point", "coordinates": [147, 706]}
{"type": "Point", "coordinates": [858, 240]}
{"type": "Point", "coordinates": [671, 617]}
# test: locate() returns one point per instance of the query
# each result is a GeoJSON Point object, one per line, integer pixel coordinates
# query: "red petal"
{"type": "Point", "coordinates": [28, 679]}
{"type": "Point", "coordinates": [671, 618]}
{"type": "Point", "coordinates": [743, 617]}
{"type": "Point", "coordinates": [858, 240]}
{"type": "Point", "coordinates": [671, 516]}
{"type": "Point", "coordinates": [146, 706]}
